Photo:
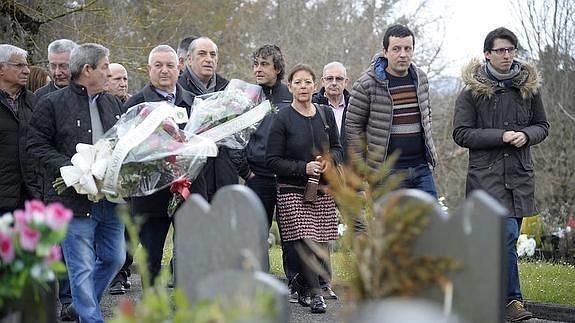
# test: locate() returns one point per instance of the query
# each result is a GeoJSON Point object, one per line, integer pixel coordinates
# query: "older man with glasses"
{"type": "Point", "coordinates": [58, 66]}
{"type": "Point", "coordinates": [333, 93]}
{"type": "Point", "coordinates": [18, 171]}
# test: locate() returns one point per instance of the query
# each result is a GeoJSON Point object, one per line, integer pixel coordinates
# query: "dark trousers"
{"type": "Point", "coordinates": [305, 254]}
{"type": "Point", "coordinates": [266, 189]}
{"type": "Point", "coordinates": [153, 234]}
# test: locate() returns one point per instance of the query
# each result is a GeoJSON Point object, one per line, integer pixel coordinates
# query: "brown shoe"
{"type": "Point", "coordinates": [516, 312]}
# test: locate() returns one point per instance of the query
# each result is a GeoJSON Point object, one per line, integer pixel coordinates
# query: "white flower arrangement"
{"type": "Point", "coordinates": [525, 246]}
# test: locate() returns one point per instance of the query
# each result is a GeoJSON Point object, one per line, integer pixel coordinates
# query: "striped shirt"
{"type": "Point", "coordinates": [406, 130]}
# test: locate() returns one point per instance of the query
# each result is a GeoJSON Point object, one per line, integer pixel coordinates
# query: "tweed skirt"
{"type": "Point", "coordinates": [297, 220]}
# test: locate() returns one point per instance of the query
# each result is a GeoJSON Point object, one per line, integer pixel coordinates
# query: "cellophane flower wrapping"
{"type": "Point", "coordinates": [147, 151]}
{"type": "Point", "coordinates": [219, 115]}
{"type": "Point", "coordinates": [166, 155]}
{"type": "Point", "coordinates": [143, 153]}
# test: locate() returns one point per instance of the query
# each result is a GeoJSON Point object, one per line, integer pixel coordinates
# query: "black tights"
{"type": "Point", "coordinates": [304, 254]}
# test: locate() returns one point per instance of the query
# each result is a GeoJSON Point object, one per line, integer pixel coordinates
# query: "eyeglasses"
{"type": "Point", "coordinates": [333, 78]}
{"type": "Point", "coordinates": [502, 51]}
{"type": "Point", "coordinates": [19, 66]}
{"type": "Point", "coordinates": [61, 66]}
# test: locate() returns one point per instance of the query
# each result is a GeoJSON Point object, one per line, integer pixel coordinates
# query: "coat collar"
{"type": "Point", "coordinates": [476, 79]}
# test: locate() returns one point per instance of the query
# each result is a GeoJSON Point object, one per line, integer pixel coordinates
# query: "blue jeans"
{"type": "Point", "coordinates": [419, 177]}
{"type": "Point", "coordinates": [95, 249]}
{"type": "Point", "coordinates": [512, 229]}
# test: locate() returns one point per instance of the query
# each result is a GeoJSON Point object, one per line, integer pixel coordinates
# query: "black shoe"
{"type": "Point", "coordinates": [127, 283]}
{"type": "Point", "coordinates": [328, 293]}
{"type": "Point", "coordinates": [304, 300]}
{"type": "Point", "coordinates": [318, 304]}
{"type": "Point", "coordinates": [117, 288]}
{"type": "Point", "coordinates": [68, 313]}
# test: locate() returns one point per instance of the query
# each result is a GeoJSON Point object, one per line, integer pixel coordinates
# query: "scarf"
{"type": "Point", "coordinates": [200, 85]}
{"type": "Point", "coordinates": [503, 79]}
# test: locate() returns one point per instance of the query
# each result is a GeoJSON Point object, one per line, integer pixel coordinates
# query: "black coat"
{"type": "Point", "coordinates": [60, 121]}
{"type": "Point", "coordinates": [156, 205]}
{"type": "Point", "coordinates": [279, 97]}
{"type": "Point", "coordinates": [46, 89]}
{"type": "Point", "coordinates": [19, 173]}
{"type": "Point", "coordinates": [229, 164]}
{"type": "Point", "coordinates": [295, 140]}
{"type": "Point", "coordinates": [319, 98]}
{"type": "Point", "coordinates": [483, 112]}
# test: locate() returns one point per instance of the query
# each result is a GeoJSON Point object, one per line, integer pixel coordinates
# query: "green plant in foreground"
{"type": "Point", "coordinates": [382, 259]}
{"type": "Point", "coordinates": [159, 304]}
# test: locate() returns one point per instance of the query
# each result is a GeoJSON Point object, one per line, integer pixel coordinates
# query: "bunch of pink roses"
{"type": "Point", "coordinates": [29, 251]}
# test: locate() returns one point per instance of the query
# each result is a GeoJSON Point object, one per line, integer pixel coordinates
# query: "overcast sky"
{"type": "Point", "coordinates": [467, 22]}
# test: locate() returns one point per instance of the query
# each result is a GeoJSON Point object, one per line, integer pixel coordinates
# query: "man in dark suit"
{"type": "Point", "coordinates": [163, 86]}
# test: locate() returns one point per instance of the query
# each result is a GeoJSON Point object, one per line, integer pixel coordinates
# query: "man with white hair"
{"type": "Point", "coordinates": [163, 86]}
{"type": "Point", "coordinates": [58, 66]}
{"type": "Point", "coordinates": [19, 177]}
{"type": "Point", "coordinates": [333, 93]}
{"type": "Point", "coordinates": [118, 82]}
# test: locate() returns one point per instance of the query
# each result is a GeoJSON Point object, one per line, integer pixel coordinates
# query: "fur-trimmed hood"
{"type": "Point", "coordinates": [476, 79]}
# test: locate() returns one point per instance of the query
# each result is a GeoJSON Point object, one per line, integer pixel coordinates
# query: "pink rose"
{"type": "Point", "coordinates": [57, 216]}
{"type": "Point", "coordinates": [54, 255]}
{"type": "Point", "coordinates": [35, 211]}
{"type": "Point", "coordinates": [20, 219]}
{"type": "Point", "coordinates": [6, 248]}
{"type": "Point", "coordinates": [29, 238]}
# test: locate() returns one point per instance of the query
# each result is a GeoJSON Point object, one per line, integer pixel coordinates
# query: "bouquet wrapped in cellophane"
{"type": "Point", "coordinates": [146, 151]}
{"type": "Point", "coordinates": [227, 117]}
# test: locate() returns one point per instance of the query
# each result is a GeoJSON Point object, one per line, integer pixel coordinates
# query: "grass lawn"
{"type": "Point", "coordinates": [540, 281]}
{"type": "Point", "coordinates": [548, 283]}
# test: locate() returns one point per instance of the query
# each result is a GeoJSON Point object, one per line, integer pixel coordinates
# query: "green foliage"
{"type": "Point", "coordinates": [382, 262]}
{"type": "Point", "coordinates": [159, 304]}
{"type": "Point", "coordinates": [547, 283]}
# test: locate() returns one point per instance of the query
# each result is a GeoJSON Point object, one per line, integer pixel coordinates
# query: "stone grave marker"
{"type": "Point", "coordinates": [218, 244]}
{"type": "Point", "coordinates": [472, 234]}
{"type": "Point", "coordinates": [250, 290]}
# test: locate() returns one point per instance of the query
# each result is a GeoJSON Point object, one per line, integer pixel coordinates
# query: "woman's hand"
{"type": "Point", "coordinates": [316, 167]}
{"type": "Point", "coordinates": [313, 168]}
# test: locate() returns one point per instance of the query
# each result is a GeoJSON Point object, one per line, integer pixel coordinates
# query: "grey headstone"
{"type": "Point", "coordinates": [404, 310]}
{"type": "Point", "coordinates": [231, 234]}
{"type": "Point", "coordinates": [473, 234]}
{"type": "Point", "coordinates": [246, 289]}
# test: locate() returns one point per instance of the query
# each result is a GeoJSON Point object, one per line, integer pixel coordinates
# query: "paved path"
{"type": "Point", "coordinates": [336, 312]}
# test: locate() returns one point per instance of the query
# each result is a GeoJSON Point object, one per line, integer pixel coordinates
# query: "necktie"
{"type": "Point", "coordinates": [170, 98]}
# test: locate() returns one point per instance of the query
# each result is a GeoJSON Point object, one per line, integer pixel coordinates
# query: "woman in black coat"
{"type": "Point", "coordinates": [299, 136]}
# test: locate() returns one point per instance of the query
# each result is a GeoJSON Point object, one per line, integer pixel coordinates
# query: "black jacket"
{"type": "Point", "coordinates": [484, 110]}
{"type": "Point", "coordinates": [48, 88]}
{"type": "Point", "coordinates": [60, 121]}
{"type": "Point", "coordinates": [295, 140]}
{"type": "Point", "coordinates": [156, 205]}
{"type": "Point", "coordinates": [279, 97]}
{"type": "Point", "coordinates": [319, 98]}
{"type": "Point", "coordinates": [19, 173]}
{"type": "Point", "coordinates": [229, 164]}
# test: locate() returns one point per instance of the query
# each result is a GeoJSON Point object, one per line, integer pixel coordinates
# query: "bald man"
{"type": "Point", "coordinates": [118, 82]}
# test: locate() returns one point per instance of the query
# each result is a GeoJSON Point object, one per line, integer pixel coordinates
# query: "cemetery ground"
{"type": "Point", "coordinates": [542, 282]}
